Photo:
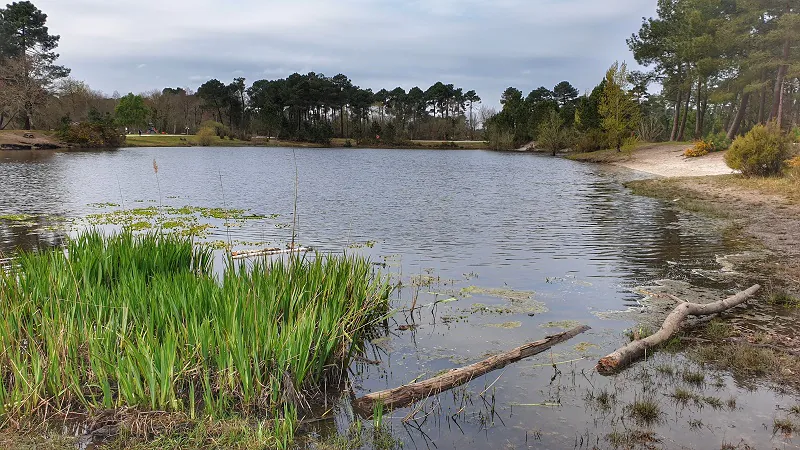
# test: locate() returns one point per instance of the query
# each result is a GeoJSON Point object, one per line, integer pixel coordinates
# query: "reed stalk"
{"type": "Point", "coordinates": [141, 321]}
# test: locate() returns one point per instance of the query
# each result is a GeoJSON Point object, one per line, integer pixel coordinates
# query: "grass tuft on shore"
{"type": "Point", "coordinates": [140, 323]}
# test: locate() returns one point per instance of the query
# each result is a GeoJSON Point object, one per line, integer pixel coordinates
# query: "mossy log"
{"type": "Point", "coordinates": [673, 323]}
{"type": "Point", "coordinates": [405, 395]}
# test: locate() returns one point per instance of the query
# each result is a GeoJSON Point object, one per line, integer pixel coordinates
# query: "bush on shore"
{"type": "Point", "coordinates": [92, 135]}
{"type": "Point", "coordinates": [761, 152]}
{"type": "Point", "coordinates": [205, 136]}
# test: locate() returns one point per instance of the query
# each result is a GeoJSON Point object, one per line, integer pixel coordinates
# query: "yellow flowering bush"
{"type": "Point", "coordinates": [701, 148]}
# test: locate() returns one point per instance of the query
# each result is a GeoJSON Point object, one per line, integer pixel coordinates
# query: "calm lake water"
{"type": "Point", "coordinates": [472, 228]}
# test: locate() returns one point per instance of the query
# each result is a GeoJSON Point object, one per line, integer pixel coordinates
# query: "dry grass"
{"type": "Point", "coordinates": [787, 186]}
{"type": "Point", "coordinates": [43, 441]}
{"type": "Point", "coordinates": [747, 361]}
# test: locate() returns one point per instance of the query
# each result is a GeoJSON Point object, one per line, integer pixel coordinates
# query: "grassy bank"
{"type": "Point", "coordinates": [192, 141]}
{"type": "Point", "coordinates": [136, 333]}
{"type": "Point", "coordinates": [420, 144]}
{"type": "Point", "coordinates": [168, 140]}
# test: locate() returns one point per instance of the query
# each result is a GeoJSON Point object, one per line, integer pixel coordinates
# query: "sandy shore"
{"type": "Point", "coordinates": [667, 160]}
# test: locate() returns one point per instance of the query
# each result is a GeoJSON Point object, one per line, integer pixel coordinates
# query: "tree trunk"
{"type": "Point", "coordinates": [410, 393]}
{"type": "Point", "coordinates": [685, 115]}
{"type": "Point", "coordinates": [703, 110]}
{"type": "Point", "coordinates": [676, 117]}
{"type": "Point", "coordinates": [633, 351]}
{"type": "Point", "coordinates": [698, 122]}
{"type": "Point", "coordinates": [737, 122]}
{"type": "Point", "coordinates": [783, 107]}
{"type": "Point", "coordinates": [729, 114]}
{"type": "Point", "coordinates": [778, 91]}
{"type": "Point", "coordinates": [762, 105]}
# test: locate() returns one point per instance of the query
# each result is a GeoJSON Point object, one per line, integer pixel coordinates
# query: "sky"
{"type": "Point", "coordinates": [485, 45]}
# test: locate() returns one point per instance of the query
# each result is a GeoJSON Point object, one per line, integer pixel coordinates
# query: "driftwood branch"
{"type": "Point", "coordinates": [268, 252]}
{"type": "Point", "coordinates": [410, 393]}
{"type": "Point", "coordinates": [673, 323]}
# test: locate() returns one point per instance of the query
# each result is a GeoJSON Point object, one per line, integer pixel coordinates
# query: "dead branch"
{"type": "Point", "coordinates": [268, 252]}
{"type": "Point", "coordinates": [673, 323]}
{"type": "Point", "coordinates": [410, 393]}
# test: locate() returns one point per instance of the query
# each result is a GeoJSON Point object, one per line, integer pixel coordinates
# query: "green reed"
{"type": "Point", "coordinates": [141, 321]}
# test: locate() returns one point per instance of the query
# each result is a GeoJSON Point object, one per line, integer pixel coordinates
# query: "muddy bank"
{"type": "Point", "coordinates": [29, 140]}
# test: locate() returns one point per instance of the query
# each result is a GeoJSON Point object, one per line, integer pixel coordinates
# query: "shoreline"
{"type": "Point", "coordinates": [766, 210]}
{"type": "Point", "coordinates": [11, 140]}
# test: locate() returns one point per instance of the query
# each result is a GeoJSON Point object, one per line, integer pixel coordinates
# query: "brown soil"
{"type": "Point", "coordinates": [17, 139]}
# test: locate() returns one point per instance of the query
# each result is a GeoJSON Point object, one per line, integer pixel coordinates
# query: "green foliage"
{"type": "Point", "coordinates": [28, 71]}
{"type": "Point", "coordinates": [553, 135]}
{"type": "Point", "coordinates": [131, 111]}
{"type": "Point", "coordinates": [761, 152]}
{"type": "Point", "coordinates": [205, 136]}
{"type": "Point", "coordinates": [587, 116]}
{"type": "Point", "coordinates": [719, 141]}
{"type": "Point", "coordinates": [618, 107]}
{"type": "Point", "coordinates": [499, 137]}
{"type": "Point", "coordinates": [590, 140]}
{"type": "Point", "coordinates": [174, 336]}
{"type": "Point", "coordinates": [23, 28]}
{"type": "Point", "coordinates": [219, 129]}
{"type": "Point", "coordinates": [99, 132]}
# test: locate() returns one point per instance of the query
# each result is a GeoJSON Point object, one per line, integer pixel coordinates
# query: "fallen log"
{"type": "Point", "coordinates": [268, 252]}
{"type": "Point", "coordinates": [672, 324]}
{"type": "Point", "coordinates": [410, 393]}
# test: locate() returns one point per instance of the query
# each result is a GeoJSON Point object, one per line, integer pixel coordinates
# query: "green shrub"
{"type": "Point", "coordinates": [205, 136]}
{"type": "Point", "coordinates": [589, 141]}
{"type": "Point", "coordinates": [719, 140]}
{"type": "Point", "coordinates": [92, 135]}
{"type": "Point", "coordinates": [500, 138]}
{"type": "Point", "coordinates": [553, 135]}
{"type": "Point", "coordinates": [219, 129]}
{"type": "Point", "coordinates": [761, 152]}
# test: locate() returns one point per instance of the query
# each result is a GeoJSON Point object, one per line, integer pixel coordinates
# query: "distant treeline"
{"type": "Point", "coordinates": [314, 107]}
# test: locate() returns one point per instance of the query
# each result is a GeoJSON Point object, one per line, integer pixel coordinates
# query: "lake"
{"type": "Point", "coordinates": [494, 249]}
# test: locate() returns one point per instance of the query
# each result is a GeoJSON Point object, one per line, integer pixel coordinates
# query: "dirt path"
{"type": "Point", "coordinates": [667, 160]}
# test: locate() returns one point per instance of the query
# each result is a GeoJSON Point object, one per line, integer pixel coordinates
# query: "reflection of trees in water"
{"type": "Point", "coordinates": [646, 239]}
{"type": "Point", "coordinates": [38, 232]}
{"type": "Point", "coordinates": [26, 156]}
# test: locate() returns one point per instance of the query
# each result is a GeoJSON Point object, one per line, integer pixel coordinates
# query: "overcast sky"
{"type": "Point", "coordinates": [486, 45]}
